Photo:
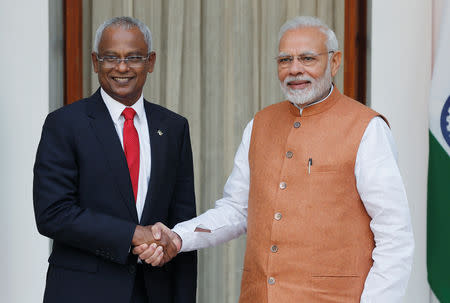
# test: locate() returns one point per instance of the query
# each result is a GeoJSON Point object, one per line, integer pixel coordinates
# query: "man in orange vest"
{"type": "Point", "coordinates": [316, 186]}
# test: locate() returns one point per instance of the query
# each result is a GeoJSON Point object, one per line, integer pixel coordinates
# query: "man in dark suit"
{"type": "Point", "coordinates": [107, 167]}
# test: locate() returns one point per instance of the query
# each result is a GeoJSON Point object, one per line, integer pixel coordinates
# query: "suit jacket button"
{"type": "Point", "coordinates": [132, 269]}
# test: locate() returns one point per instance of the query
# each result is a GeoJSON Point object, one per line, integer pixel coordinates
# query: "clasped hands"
{"type": "Point", "coordinates": [155, 244]}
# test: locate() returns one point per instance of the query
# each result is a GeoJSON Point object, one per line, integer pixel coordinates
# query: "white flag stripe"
{"type": "Point", "coordinates": [440, 87]}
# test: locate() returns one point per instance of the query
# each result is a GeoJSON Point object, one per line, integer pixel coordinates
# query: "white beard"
{"type": "Point", "coordinates": [317, 89]}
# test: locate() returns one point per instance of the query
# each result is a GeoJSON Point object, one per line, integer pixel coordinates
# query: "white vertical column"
{"type": "Point", "coordinates": [24, 86]}
{"type": "Point", "coordinates": [437, 7]}
{"type": "Point", "coordinates": [400, 79]}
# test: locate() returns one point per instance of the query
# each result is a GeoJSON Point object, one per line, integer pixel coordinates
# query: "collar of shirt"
{"type": "Point", "coordinates": [311, 104]}
{"type": "Point", "coordinates": [116, 108]}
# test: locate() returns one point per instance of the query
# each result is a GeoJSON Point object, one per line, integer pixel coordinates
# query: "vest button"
{"type": "Point", "coordinates": [271, 280]}
{"type": "Point", "coordinates": [289, 154]}
{"type": "Point", "coordinates": [274, 248]}
{"type": "Point", "coordinates": [277, 216]}
{"type": "Point", "coordinates": [283, 185]}
{"type": "Point", "coordinates": [297, 124]}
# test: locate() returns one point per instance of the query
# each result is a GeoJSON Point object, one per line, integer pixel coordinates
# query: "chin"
{"type": "Point", "coordinates": [307, 95]}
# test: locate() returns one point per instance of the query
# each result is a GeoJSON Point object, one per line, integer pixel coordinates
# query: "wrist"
{"type": "Point", "coordinates": [178, 241]}
{"type": "Point", "coordinates": [137, 236]}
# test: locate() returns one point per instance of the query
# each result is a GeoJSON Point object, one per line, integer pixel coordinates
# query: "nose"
{"type": "Point", "coordinates": [122, 66]}
{"type": "Point", "coordinates": [296, 68]}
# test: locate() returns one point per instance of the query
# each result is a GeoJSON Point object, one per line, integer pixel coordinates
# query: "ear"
{"type": "Point", "coordinates": [151, 61]}
{"type": "Point", "coordinates": [94, 61]}
{"type": "Point", "coordinates": [335, 63]}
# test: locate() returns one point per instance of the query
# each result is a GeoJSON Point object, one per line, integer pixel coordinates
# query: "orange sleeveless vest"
{"type": "Point", "coordinates": [308, 234]}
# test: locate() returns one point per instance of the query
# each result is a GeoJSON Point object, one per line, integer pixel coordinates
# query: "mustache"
{"type": "Point", "coordinates": [297, 78]}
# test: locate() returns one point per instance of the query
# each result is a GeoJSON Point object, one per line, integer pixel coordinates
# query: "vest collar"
{"type": "Point", "coordinates": [316, 108]}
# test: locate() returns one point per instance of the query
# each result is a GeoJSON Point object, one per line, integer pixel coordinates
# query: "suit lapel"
{"type": "Point", "coordinates": [157, 131]}
{"type": "Point", "coordinates": [103, 127]}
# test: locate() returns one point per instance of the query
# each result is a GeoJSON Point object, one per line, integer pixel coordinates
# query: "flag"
{"type": "Point", "coordinates": [438, 216]}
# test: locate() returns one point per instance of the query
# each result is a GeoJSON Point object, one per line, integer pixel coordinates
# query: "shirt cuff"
{"type": "Point", "coordinates": [187, 237]}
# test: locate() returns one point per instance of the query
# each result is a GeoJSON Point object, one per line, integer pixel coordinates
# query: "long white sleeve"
{"type": "Point", "coordinates": [228, 219]}
{"type": "Point", "coordinates": [381, 189]}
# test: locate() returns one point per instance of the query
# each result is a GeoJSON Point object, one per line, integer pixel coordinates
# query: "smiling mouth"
{"type": "Point", "coordinates": [122, 80]}
{"type": "Point", "coordinates": [298, 84]}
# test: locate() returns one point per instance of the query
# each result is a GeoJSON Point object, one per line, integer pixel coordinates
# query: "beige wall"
{"type": "Point", "coordinates": [400, 80]}
{"type": "Point", "coordinates": [437, 8]}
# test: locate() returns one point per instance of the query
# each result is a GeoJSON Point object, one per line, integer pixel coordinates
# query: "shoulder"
{"type": "Point", "coordinates": [352, 105]}
{"type": "Point", "coordinates": [358, 109]}
{"type": "Point", "coordinates": [359, 114]}
{"type": "Point", "coordinates": [68, 114]}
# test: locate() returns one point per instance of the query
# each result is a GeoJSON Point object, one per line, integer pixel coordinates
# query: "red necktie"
{"type": "Point", "coordinates": [131, 147]}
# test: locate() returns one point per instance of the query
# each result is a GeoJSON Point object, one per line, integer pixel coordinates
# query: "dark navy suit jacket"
{"type": "Point", "coordinates": [83, 200]}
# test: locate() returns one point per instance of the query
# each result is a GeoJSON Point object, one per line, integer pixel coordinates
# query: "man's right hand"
{"type": "Point", "coordinates": [153, 254]}
{"type": "Point", "coordinates": [156, 242]}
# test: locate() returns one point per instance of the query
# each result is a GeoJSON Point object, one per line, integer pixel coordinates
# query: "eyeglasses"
{"type": "Point", "coordinates": [310, 59]}
{"type": "Point", "coordinates": [131, 61]}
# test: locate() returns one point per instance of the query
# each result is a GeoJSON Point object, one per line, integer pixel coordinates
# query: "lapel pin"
{"type": "Point", "coordinates": [160, 132]}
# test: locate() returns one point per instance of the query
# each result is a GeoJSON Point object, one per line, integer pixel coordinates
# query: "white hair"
{"type": "Point", "coordinates": [125, 23]}
{"type": "Point", "coordinates": [308, 21]}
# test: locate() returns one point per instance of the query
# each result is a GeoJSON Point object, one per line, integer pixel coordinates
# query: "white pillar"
{"type": "Point", "coordinates": [400, 78]}
{"type": "Point", "coordinates": [24, 87]}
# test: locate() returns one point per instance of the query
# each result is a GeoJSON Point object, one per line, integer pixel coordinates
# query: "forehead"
{"type": "Point", "coordinates": [301, 40]}
{"type": "Point", "coordinates": [117, 39]}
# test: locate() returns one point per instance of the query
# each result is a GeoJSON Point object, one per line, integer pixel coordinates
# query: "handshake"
{"type": "Point", "coordinates": [155, 244]}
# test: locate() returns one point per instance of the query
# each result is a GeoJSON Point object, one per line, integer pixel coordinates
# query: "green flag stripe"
{"type": "Point", "coordinates": [438, 221]}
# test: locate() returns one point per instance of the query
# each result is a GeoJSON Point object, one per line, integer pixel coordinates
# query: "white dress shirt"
{"type": "Point", "coordinates": [380, 187]}
{"type": "Point", "coordinates": [115, 109]}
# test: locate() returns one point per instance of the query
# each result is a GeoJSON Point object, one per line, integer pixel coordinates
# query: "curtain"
{"type": "Point", "coordinates": [214, 65]}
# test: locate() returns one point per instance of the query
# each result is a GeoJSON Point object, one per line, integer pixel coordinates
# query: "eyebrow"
{"type": "Point", "coordinates": [283, 54]}
{"type": "Point", "coordinates": [132, 53]}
